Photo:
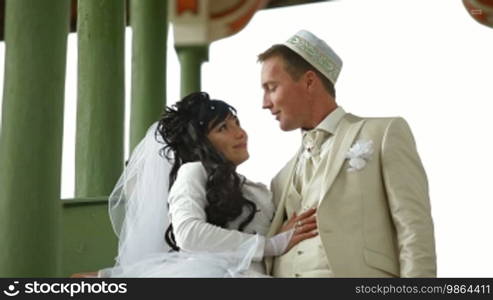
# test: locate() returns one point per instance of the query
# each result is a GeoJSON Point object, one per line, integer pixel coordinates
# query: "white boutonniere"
{"type": "Point", "coordinates": [359, 154]}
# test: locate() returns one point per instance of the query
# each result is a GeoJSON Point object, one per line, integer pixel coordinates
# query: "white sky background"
{"type": "Point", "coordinates": [427, 61]}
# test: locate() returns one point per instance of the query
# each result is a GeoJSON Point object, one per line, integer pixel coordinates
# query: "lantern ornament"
{"type": "Point", "coordinates": [200, 22]}
{"type": "Point", "coordinates": [480, 10]}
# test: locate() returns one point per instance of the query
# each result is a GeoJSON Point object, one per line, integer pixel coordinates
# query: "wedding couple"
{"type": "Point", "coordinates": [352, 202]}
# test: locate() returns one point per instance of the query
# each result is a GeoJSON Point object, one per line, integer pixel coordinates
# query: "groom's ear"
{"type": "Point", "coordinates": [309, 79]}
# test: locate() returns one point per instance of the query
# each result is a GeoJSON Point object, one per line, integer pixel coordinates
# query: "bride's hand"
{"type": "Point", "coordinates": [297, 229]}
{"type": "Point", "coordinates": [304, 227]}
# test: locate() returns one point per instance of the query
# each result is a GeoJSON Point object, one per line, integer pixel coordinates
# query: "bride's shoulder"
{"type": "Point", "coordinates": [192, 171]}
{"type": "Point", "coordinates": [191, 177]}
{"type": "Point", "coordinates": [253, 183]}
{"type": "Point", "coordinates": [256, 186]}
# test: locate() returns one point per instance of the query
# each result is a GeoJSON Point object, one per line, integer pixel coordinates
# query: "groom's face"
{"type": "Point", "coordinates": [283, 95]}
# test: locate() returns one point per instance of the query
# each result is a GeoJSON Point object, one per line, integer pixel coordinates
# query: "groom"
{"type": "Point", "coordinates": [363, 175]}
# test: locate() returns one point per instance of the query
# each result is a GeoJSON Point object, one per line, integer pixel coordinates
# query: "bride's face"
{"type": "Point", "coordinates": [230, 139]}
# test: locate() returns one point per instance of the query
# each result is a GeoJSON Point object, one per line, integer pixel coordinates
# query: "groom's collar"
{"type": "Point", "coordinates": [329, 124]}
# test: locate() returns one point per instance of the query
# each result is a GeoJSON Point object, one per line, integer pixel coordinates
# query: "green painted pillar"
{"type": "Point", "coordinates": [100, 96]}
{"type": "Point", "coordinates": [31, 138]}
{"type": "Point", "coordinates": [149, 21]}
{"type": "Point", "coordinates": [191, 59]}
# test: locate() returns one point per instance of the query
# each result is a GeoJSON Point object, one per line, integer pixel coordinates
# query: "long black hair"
{"type": "Point", "coordinates": [184, 128]}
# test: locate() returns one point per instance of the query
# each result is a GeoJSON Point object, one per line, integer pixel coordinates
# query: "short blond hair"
{"type": "Point", "coordinates": [295, 65]}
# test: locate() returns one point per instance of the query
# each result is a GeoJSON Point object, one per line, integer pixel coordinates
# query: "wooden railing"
{"type": "Point", "coordinates": [88, 240]}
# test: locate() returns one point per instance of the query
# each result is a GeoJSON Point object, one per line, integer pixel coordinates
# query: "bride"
{"type": "Point", "coordinates": [180, 209]}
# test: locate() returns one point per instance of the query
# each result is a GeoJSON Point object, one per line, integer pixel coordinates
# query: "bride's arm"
{"type": "Point", "coordinates": [187, 201]}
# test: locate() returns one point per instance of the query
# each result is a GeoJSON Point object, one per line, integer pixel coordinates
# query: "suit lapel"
{"type": "Point", "coordinates": [284, 178]}
{"type": "Point", "coordinates": [344, 136]}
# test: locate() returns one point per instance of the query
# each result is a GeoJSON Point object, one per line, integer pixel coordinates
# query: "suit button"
{"type": "Point", "coordinates": [297, 275]}
{"type": "Point", "coordinates": [299, 252]}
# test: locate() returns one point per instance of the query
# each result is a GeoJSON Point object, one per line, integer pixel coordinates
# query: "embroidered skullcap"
{"type": "Point", "coordinates": [316, 52]}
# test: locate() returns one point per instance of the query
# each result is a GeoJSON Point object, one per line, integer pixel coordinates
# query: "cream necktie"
{"type": "Point", "coordinates": [312, 143]}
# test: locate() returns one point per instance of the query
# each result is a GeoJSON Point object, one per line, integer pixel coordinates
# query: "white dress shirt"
{"type": "Point", "coordinates": [328, 126]}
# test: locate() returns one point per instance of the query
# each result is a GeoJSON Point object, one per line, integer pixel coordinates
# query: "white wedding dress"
{"type": "Point", "coordinates": [140, 218]}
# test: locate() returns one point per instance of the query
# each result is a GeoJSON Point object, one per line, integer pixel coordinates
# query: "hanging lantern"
{"type": "Point", "coordinates": [480, 10]}
{"type": "Point", "coordinates": [200, 22]}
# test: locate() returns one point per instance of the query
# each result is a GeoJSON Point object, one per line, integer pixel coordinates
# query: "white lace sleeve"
{"type": "Point", "coordinates": [187, 201]}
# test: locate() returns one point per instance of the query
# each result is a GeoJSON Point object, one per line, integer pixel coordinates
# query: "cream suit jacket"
{"type": "Point", "coordinates": [373, 222]}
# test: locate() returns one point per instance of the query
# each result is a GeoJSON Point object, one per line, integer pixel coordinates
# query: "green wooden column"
{"type": "Point", "coordinates": [149, 20]}
{"type": "Point", "coordinates": [191, 59]}
{"type": "Point", "coordinates": [31, 138]}
{"type": "Point", "coordinates": [100, 96]}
